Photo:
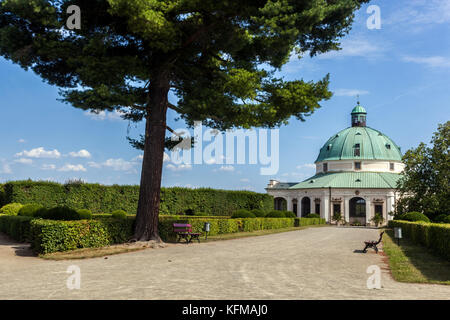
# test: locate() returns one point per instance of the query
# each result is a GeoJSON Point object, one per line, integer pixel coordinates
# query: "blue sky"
{"type": "Point", "coordinates": [400, 71]}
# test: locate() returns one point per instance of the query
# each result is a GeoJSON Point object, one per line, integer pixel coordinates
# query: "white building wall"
{"type": "Point", "coordinates": [366, 166]}
{"type": "Point", "coordinates": [369, 195]}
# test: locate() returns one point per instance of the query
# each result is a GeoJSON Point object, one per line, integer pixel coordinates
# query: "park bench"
{"type": "Point", "coordinates": [373, 244]}
{"type": "Point", "coordinates": [184, 231]}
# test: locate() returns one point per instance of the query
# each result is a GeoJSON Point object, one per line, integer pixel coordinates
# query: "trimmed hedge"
{"type": "Point", "coordinates": [48, 236]}
{"type": "Point", "coordinates": [52, 236]}
{"type": "Point", "coordinates": [29, 210]}
{"type": "Point", "coordinates": [414, 216]}
{"type": "Point", "coordinates": [16, 227]}
{"type": "Point", "coordinates": [431, 235]}
{"type": "Point", "coordinates": [242, 213]}
{"type": "Point", "coordinates": [11, 209]}
{"type": "Point", "coordinates": [99, 198]}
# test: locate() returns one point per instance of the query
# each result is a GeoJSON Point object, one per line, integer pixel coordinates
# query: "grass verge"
{"type": "Point", "coordinates": [410, 262]}
{"type": "Point", "coordinates": [87, 253]}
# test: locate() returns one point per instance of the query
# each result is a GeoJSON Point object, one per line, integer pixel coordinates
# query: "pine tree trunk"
{"type": "Point", "coordinates": [149, 193]}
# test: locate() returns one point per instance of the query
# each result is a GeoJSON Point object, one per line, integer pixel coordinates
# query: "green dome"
{"type": "Point", "coordinates": [373, 145]}
{"type": "Point", "coordinates": [359, 109]}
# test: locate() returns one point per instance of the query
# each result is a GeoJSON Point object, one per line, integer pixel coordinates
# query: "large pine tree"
{"type": "Point", "coordinates": [218, 57]}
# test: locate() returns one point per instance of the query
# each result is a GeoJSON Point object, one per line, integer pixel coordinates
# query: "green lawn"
{"type": "Point", "coordinates": [410, 262]}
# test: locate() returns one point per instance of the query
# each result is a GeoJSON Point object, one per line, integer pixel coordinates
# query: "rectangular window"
{"type": "Point", "coordinates": [337, 208]}
{"type": "Point", "coordinates": [325, 167]}
{"type": "Point", "coordinates": [357, 151]}
{"type": "Point", "coordinates": [357, 165]}
{"type": "Point", "coordinates": [391, 166]}
{"type": "Point", "coordinates": [318, 208]}
{"type": "Point", "coordinates": [379, 209]}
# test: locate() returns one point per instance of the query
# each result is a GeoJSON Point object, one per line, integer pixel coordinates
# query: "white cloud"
{"type": "Point", "coordinates": [180, 167]}
{"type": "Point", "coordinates": [118, 164]}
{"type": "Point", "coordinates": [420, 12]}
{"type": "Point", "coordinates": [39, 153]}
{"type": "Point", "coordinates": [245, 180]}
{"type": "Point", "coordinates": [103, 115]}
{"type": "Point", "coordinates": [80, 154]}
{"type": "Point", "coordinates": [21, 141]}
{"type": "Point", "coordinates": [166, 157]}
{"type": "Point", "coordinates": [48, 167]}
{"type": "Point", "coordinates": [226, 168]}
{"type": "Point", "coordinates": [431, 61]}
{"type": "Point", "coordinates": [24, 161]}
{"type": "Point", "coordinates": [93, 164]}
{"type": "Point", "coordinates": [5, 168]}
{"type": "Point", "coordinates": [306, 166]}
{"type": "Point", "coordinates": [72, 167]}
{"type": "Point", "coordinates": [356, 47]}
{"type": "Point", "coordinates": [349, 92]}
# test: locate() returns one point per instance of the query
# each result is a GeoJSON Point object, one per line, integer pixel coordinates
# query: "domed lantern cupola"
{"type": "Point", "coordinates": [359, 116]}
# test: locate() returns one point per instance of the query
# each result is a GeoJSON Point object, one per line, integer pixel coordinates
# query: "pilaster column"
{"type": "Point", "coordinates": [299, 205]}
{"type": "Point", "coordinates": [347, 209]}
{"type": "Point", "coordinates": [368, 210]}
{"type": "Point", "coordinates": [289, 203]}
{"type": "Point", "coordinates": [389, 206]}
{"type": "Point", "coordinates": [325, 209]}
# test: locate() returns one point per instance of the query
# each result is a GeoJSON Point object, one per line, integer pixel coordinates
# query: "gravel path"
{"type": "Point", "coordinates": [315, 263]}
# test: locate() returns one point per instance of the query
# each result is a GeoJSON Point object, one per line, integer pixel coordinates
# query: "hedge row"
{"type": "Point", "coordinates": [48, 236]}
{"type": "Point", "coordinates": [99, 198]}
{"type": "Point", "coordinates": [431, 235]}
{"type": "Point", "coordinates": [16, 227]}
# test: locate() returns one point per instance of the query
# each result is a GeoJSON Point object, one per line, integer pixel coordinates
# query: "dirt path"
{"type": "Point", "coordinates": [316, 263]}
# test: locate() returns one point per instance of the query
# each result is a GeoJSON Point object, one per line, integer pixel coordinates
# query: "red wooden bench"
{"type": "Point", "coordinates": [373, 244]}
{"type": "Point", "coordinates": [184, 231]}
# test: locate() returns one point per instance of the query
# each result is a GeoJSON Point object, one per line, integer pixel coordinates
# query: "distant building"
{"type": "Point", "coordinates": [356, 175]}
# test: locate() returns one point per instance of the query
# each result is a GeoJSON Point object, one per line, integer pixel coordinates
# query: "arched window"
{"type": "Point", "coordinates": [357, 208]}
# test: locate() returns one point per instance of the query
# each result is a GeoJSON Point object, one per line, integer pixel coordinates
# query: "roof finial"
{"type": "Point", "coordinates": [357, 99]}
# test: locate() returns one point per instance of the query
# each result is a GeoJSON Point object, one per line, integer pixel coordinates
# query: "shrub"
{"type": "Point", "coordinates": [17, 227]}
{"type": "Point", "coordinates": [312, 215]}
{"type": "Point", "coordinates": [51, 236]}
{"type": "Point", "coordinates": [29, 209]}
{"type": "Point", "coordinates": [119, 214]}
{"type": "Point", "coordinates": [289, 214]}
{"type": "Point", "coordinates": [447, 219]}
{"type": "Point", "coordinates": [84, 214]}
{"type": "Point", "coordinates": [259, 213]}
{"type": "Point", "coordinates": [275, 214]}
{"type": "Point", "coordinates": [58, 213]}
{"type": "Point", "coordinates": [337, 216]}
{"type": "Point", "coordinates": [441, 218]}
{"type": "Point", "coordinates": [11, 209]}
{"type": "Point", "coordinates": [432, 235]}
{"type": "Point", "coordinates": [377, 219]}
{"type": "Point", "coordinates": [414, 216]}
{"type": "Point", "coordinates": [242, 213]}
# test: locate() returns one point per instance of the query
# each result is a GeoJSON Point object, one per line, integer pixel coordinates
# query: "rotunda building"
{"type": "Point", "coordinates": [357, 170]}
